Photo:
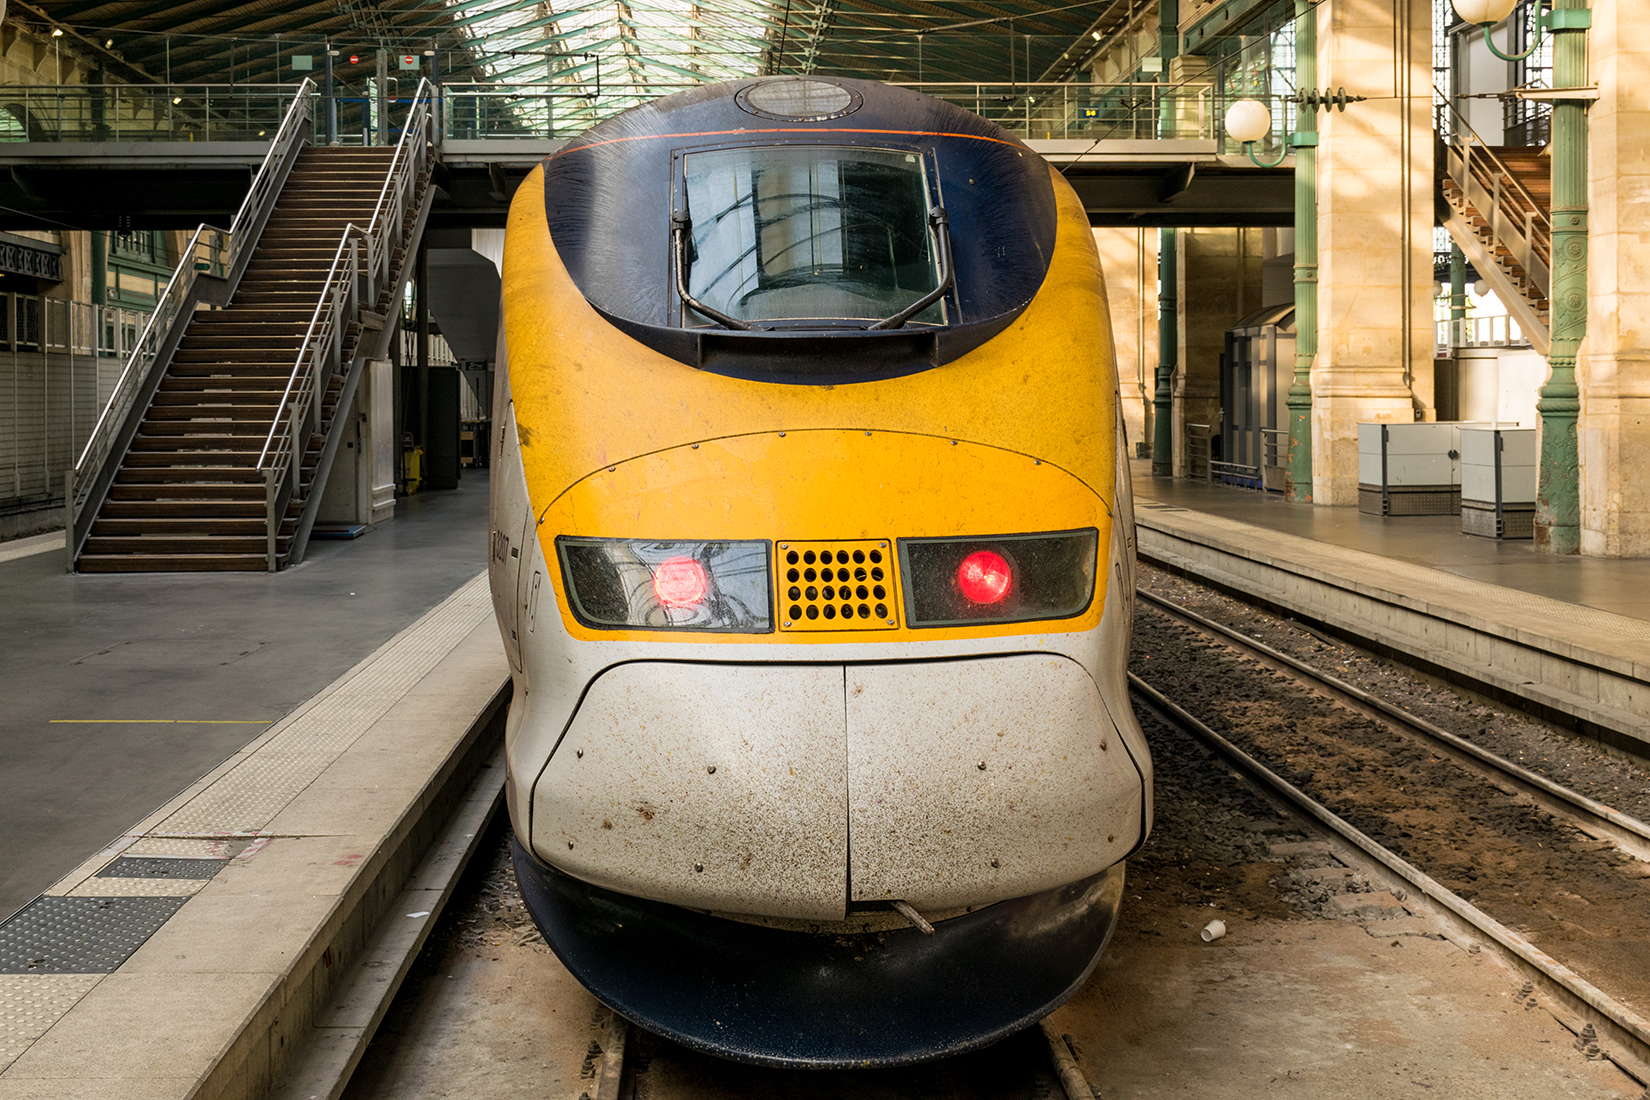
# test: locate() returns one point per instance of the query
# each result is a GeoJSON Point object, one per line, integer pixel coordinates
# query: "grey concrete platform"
{"type": "Point", "coordinates": [1566, 636]}
{"type": "Point", "coordinates": [204, 948]}
{"type": "Point", "coordinates": [119, 691]}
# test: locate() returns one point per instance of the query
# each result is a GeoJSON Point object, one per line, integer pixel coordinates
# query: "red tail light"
{"type": "Point", "coordinates": [985, 577]}
{"type": "Point", "coordinates": [680, 582]}
{"type": "Point", "coordinates": [998, 578]}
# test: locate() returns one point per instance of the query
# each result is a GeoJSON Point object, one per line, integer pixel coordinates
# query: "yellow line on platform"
{"type": "Point", "coordinates": [159, 721]}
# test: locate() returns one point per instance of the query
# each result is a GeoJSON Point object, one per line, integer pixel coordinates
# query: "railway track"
{"type": "Point", "coordinates": [623, 1062]}
{"type": "Point", "coordinates": [1620, 1029]}
{"type": "Point", "coordinates": [1586, 814]}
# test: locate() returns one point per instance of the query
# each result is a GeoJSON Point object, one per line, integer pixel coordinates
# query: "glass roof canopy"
{"type": "Point", "coordinates": [556, 66]}
{"type": "Point", "coordinates": [598, 57]}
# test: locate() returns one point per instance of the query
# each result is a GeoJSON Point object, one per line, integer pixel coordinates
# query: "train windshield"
{"type": "Point", "coordinates": [809, 233]}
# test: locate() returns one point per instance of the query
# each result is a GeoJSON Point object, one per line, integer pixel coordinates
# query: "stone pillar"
{"type": "Point", "coordinates": [1128, 257]}
{"type": "Point", "coordinates": [1614, 367]}
{"type": "Point", "coordinates": [1375, 214]}
{"type": "Point", "coordinates": [1220, 283]}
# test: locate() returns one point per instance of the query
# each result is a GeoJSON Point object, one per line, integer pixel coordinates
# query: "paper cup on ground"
{"type": "Point", "coordinates": [1213, 931]}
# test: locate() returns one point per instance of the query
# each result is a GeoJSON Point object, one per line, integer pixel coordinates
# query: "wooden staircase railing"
{"type": "Point", "coordinates": [1501, 227]}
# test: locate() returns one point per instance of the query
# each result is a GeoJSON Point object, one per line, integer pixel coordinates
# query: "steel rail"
{"type": "Point", "coordinates": [166, 308]}
{"type": "Point", "coordinates": [1613, 1020]}
{"type": "Point", "coordinates": [610, 1072]}
{"type": "Point", "coordinates": [1587, 814]}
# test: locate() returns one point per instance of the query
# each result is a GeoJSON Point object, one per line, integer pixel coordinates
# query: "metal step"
{"type": "Point", "coordinates": [171, 563]}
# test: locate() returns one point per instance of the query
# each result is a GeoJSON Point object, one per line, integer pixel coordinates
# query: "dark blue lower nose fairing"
{"type": "Point", "coordinates": [773, 997]}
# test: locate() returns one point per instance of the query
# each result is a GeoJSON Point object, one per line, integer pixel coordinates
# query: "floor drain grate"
{"type": "Point", "coordinates": [57, 935]}
{"type": "Point", "coordinates": [161, 867]}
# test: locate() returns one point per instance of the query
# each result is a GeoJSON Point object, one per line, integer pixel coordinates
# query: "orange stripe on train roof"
{"type": "Point", "coordinates": [786, 130]}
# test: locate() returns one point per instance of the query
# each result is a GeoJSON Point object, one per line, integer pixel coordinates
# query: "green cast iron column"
{"type": "Point", "coordinates": [1457, 286]}
{"type": "Point", "coordinates": [1558, 489]}
{"type": "Point", "coordinates": [1168, 340]}
{"type": "Point", "coordinates": [1168, 328]}
{"type": "Point", "coordinates": [1298, 478]}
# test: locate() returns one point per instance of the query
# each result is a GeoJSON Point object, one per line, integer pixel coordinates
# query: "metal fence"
{"type": "Point", "coordinates": [1495, 331]}
{"type": "Point", "coordinates": [58, 364]}
{"type": "Point", "coordinates": [1139, 111]}
{"type": "Point", "coordinates": [146, 112]}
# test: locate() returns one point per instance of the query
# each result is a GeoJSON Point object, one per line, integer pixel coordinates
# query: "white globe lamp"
{"type": "Point", "coordinates": [1248, 120]}
{"type": "Point", "coordinates": [1483, 12]}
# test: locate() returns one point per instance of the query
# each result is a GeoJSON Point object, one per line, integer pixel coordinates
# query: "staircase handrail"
{"type": "Point", "coordinates": [1509, 236]}
{"type": "Point", "coordinates": [352, 284]}
{"type": "Point", "coordinates": [322, 342]}
{"type": "Point", "coordinates": [174, 305]}
{"type": "Point", "coordinates": [402, 177]}
{"type": "Point", "coordinates": [170, 304]}
{"type": "Point", "coordinates": [268, 180]}
{"type": "Point", "coordinates": [1466, 138]}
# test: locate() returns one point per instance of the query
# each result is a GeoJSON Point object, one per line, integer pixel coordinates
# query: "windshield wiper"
{"type": "Point", "coordinates": [680, 224]}
{"type": "Point", "coordinates": [942, 236]}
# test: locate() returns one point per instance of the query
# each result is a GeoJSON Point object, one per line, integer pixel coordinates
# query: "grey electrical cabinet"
{"type": "Point", "coordinates": [1407, 469]}
{"type": "Point", "coordinates": [1498, 482]}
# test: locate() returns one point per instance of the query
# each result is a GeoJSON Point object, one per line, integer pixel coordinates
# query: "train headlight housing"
{"type": "Point", "coordinates": [1005, 578]}
{"type": "Point", "coordinates": [653, 584]}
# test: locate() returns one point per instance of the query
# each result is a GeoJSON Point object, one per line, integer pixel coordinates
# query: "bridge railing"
{"type": "Point", "coordinates": [148, 112]}
{"type": "Point", "coordinates": [1194, 109]}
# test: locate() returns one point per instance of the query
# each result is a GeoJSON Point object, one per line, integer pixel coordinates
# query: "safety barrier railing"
{"type": "Point", "coordinates": [210, 251]}
{"type": "Point", "coordinates": [362, 270]}
{"type": "Point", "coordinates": [1199, 451]}
{"type": "Point", "coordinates": [1138, 110]}
{"type": "Point", "coordinates": [1494, 331]}
{"type": "Point", "coordinates": [149, 112]}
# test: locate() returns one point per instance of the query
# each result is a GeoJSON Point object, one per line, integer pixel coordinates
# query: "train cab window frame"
{"type": "Point", "coordinates": [828, 197]}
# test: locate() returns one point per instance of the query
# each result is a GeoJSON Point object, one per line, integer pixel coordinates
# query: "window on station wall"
{"type": "Point", "coordinates": [1528, 121]}
{"type": "Point", "coordinates": [146, 245]}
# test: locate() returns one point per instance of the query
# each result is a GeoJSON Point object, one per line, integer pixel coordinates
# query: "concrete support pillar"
{"type": "Point", "coordinates": [1614, 367]}
{"type": "Point", "coordinates": [1220, 283]}
{"type": "Point", "coordinates": [1375, 215]}
{"type": "Point", "coordinates": [1128, 257]}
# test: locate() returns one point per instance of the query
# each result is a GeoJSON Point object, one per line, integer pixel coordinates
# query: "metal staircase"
{"type": "Point", "coordinates": [225, 440]}
{"type": "Point", "coordinates": [1496, 203]}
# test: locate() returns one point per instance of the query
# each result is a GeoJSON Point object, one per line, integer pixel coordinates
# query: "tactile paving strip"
{"type": "Point", "coordinates": [58, 935]}
{"type": "Point", "coordinates": [31, 1003]}
{"type": "Point", "coordinates": [95, 887]}
{"type": "Point", "coordinates": [153, 867]}
{"type": "Point", "coordinates": [250, 795]}
{"type": "Point", "coordinates": [217, 848]}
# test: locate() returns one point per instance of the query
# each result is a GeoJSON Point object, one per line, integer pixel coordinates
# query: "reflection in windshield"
{"type": "Point", "coordinates": [793, 232]}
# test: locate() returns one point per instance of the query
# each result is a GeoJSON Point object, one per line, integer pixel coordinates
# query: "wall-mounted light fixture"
{"type": "Point", "coordinates": [1487, 13]}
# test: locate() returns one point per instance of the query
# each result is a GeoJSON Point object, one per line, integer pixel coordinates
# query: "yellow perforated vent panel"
{"type": "Point", "coordinates": [836, 585]}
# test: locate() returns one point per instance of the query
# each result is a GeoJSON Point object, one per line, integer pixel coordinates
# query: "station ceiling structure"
{"type": "Point", "coordinates": [632, 49]}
